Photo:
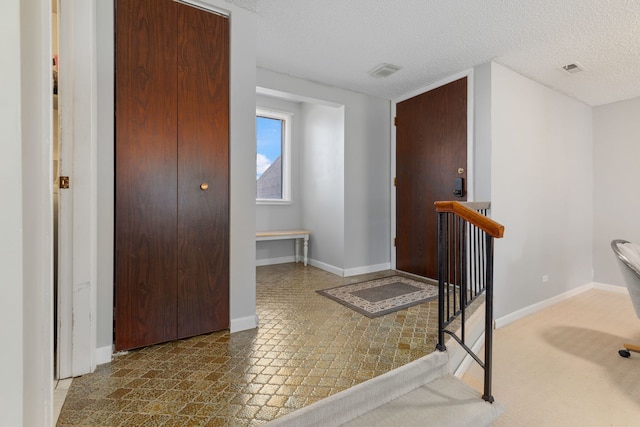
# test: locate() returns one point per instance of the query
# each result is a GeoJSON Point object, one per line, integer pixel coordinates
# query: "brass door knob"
{"type": "Point", "coordinates": [204, 186]}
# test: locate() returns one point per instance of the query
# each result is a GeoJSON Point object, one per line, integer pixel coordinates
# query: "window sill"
{"type": "Point", "coordinates": [272, 202]}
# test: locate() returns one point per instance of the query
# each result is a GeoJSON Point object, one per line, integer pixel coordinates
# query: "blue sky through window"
{"type": "Point", "coordinates": [269, 143]}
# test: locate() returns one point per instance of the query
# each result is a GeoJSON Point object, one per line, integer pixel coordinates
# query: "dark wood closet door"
{"type": "Point", "coordinates": [203, 172]}
{"type": "Point", "coordinates": [172, 172]}
{"type": "Point", "coordinates": [146, 173]}
{"type": "Point", "coordinates": [431, 145]}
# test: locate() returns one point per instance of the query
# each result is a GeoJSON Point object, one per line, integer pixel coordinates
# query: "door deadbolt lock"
{"type": "Point", "coordinates": [204, 186]}
{"type": "Point", "coordinates": [458, 187]}
{"type": "Point", "coordinates": [460, 171]}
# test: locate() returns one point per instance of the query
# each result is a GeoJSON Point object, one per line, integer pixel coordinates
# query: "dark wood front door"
{"type": "Point", "coordinates": [431, 147]}
{"type": "Point", "coordinates": [172, 174]}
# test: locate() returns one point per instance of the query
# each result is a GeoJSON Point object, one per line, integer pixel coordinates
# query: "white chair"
{"type": "Point", "coordinates": [628, 256]}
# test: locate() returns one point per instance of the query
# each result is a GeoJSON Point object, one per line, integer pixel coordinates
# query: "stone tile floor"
{"type": "Point", "coordinates": [306, 347]}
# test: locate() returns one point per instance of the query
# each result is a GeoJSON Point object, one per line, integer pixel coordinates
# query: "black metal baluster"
{"type": "Point", "coordinates": [488, 326]}
{"type": "Point", "coordinates": [477, 285]}
{"type": "Point", "coordinates": [462, 268]}
{"type": "Point", "coordinates": [441, 294]}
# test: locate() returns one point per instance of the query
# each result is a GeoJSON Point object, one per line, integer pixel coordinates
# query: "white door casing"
{"type": "Point", "coordinates": [77, 265]}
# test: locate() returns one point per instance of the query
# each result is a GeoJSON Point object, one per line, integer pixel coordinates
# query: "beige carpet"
{"type": "Point", "coordinates": [560, 366]}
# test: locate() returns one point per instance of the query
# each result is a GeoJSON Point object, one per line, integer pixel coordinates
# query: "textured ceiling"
{"type": "Point", "coordinates": [337, 42]}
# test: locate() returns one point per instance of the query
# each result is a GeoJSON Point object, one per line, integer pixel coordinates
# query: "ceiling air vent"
{"type": "Point", "coordinates": [383, 70]}
{"type": "Point", "coordinates": [573, 68]}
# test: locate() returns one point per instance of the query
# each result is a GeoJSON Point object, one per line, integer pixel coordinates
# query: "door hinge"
{"type": "Point", "coordinates": [395, 121]}
{"type": "Point", "coordinates": [64, 182]}
{"type": "Point", "coordinates": [394, 242]}
{"type": "Point", "coordinates": [395, 181]}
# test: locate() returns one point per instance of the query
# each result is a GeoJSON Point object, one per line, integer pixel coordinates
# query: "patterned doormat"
{"type": "Point", "coordinates": [378, 297]}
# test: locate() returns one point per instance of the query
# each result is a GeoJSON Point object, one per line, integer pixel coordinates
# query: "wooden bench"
{"type": "Point", "coordinates": [288, 234]}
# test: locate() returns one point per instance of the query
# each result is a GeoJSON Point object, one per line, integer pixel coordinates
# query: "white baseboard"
{"type": "Point", "coordinates": [367, 269]}
{"type": "Point", "coordinates": [611, 288]}
{"type": "Point", "coordinates": [327, 267]}
{"type": "Point", "coordinates": [519, 314]}
{"type": "Point", "coordinates": [272, 261]}
{"type": "Point", "coordinates": [526, 311]}
{"type": "Point", "coordinates": [244, 323]}
{"type": "Point", "coordinates": [288, 259]}
{"type": "Point", "coordinates": [103, 354]}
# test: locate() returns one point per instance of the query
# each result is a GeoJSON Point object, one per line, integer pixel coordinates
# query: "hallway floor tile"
{"type": "Point", "coordinates": [306, 347]}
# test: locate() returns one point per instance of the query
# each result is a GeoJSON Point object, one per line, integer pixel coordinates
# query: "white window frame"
{"type": "Point", "coordinates": [286, 117]}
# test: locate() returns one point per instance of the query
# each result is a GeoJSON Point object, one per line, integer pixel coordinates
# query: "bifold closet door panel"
{"type": "Point", "coordinates": [146, 173]}
{"type": "Point", "coordinates": [203, 171]}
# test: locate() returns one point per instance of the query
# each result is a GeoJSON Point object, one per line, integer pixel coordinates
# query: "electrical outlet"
{"type": "Point", "coordinates": [545, 278]}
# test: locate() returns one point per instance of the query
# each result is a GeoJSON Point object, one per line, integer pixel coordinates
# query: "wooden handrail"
{"type": "Point", "coordinates": [484, 223]}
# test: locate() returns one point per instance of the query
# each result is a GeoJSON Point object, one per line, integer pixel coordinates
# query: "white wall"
{"type": "Point", "coordinates": [37, 213]}
{"type": "Point", "coordinates": [323, 183]}
{"type": "Point", "coordinates": [616, 139]}
{"type": "Point", "coordinates": [541, 185]}
{"type": "Point", "coordinates": [366, 157]}
{"type": "Point", "coordinates": [11, 225]}
{"type": "Point", "coordinates": [242, 167]}
{"type": "Point", "coordinates": [26, 217]}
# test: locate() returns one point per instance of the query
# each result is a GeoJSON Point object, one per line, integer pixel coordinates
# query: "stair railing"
{"type": "Point", "coordinates": [465, 271]}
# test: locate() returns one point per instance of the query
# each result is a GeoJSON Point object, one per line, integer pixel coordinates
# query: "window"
{"type": "Point", "coordinates": [272, 156]}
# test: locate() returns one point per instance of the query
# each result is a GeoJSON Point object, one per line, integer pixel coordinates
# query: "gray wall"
{"type": "Point", "coordinates": [282, 216]}
{"type": "Point", "coordinates": [367, 192]}
{"type": "Point", "coordinates": [482, 131]}
{"type": "Point", "coordinates": [616, 139]}
{"type": "Point", "coordinates": [323, 183]}
{"type": "Point", "coordinates": [104, 41]}
{"type": "Point", "coordinates": [364, 228]}
{"type": "Point", "coordinates": [541, 185]}
{"type": "Point", "coordinates": [242, 167]}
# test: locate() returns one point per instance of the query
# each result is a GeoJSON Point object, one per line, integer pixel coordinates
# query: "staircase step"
{"type": "Point", "coordinates": [346, 405]}
{"type": "Point", "coordinates": [418, 394]}
{"type": "Point", "coordinates": [446, 401]}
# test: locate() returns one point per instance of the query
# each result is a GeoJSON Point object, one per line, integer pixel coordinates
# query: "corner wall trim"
{"type": "Point", "coordinates": [244, 323]}
{"type": "Point", "coordinates": [327, 267]}
{"type": "Point", "coordinates": [610, 288]}
{"type": "Point", "coordinates": [103, 354]}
